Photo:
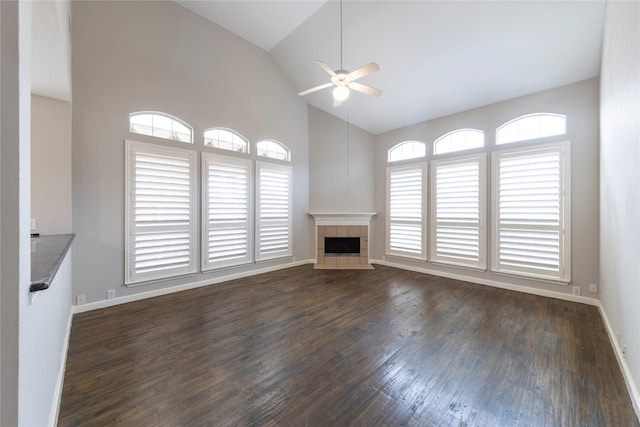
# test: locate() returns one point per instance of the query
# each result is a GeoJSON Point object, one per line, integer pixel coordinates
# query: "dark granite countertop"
{"type": "Point", "coordinates": [47, 253]}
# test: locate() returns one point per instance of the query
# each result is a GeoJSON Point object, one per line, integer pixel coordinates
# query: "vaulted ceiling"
{"type": "Point", "coordinates": [436, 57]}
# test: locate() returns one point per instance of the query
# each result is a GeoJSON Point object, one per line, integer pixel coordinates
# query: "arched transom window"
{"type": "Point", "coordinates": [273, 150]}
{"type": "Point", "coordinates": [160, 125]}
{"type": "Point", "coordinates": [407, 150]}
{"type": "Point", "coordinates": [226, 139]}
{"type": "Point", "coordinates": [458, 140]}
{"type": "Point", "coordinates": [531, 126]}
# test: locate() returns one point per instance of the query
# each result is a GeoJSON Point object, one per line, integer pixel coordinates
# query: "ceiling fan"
{"type": "Point", "coordinates": [344, 80]}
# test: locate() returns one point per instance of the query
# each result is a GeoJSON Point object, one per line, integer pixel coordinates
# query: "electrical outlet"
{"type": "Point", "coordinates": [575, 290]}
{"type": "Point", "coordinates": [81, 299]}
{"type": "Point", "coordinates": [34, 224]}
{"type": "Point", "coordinates": [111, 294]}
{"type": "Point", "coordinates": [593, 288]}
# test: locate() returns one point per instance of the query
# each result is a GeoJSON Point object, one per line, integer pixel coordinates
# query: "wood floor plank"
{"type": "Point", "coordinates": [304, 347]}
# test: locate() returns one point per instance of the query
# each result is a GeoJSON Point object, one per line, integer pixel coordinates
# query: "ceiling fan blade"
{"type": "Point", "coordinates": [365, 89]}
{"type": "Point", "coordinates": [326, 68]}
{"type": "Point", "coordinates": [364, 71]}
{"type": "Point", "coordinates": [315, 89]}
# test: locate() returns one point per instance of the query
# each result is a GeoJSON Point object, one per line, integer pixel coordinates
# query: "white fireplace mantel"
{"type": "Point", "coordinates": [342, 218]}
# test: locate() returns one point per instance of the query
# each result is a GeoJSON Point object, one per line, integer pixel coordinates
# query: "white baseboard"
{"type": "Point", "coordinates": [165, 291]}
{"type": "Point", "coordinates": [626, 373]}
{"type": "Point", "coordinates": [494, 283]}
{"type": "Point", "coordinates": [57, 392]}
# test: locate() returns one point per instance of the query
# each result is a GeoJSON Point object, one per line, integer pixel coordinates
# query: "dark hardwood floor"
{"type": "Point", "coordinates": [382, 347]}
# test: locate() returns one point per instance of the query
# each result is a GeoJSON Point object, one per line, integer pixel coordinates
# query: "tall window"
{"type": "Point", "coordinates": [273, 149]}
{"type": "Point", "coordinates": [531, 126]}
{"type": "Point", "coordinates": [407, 150]}
{"type": "Point", "coordinates": [458, 211]}
{"type": "Point", "coordinates": [160, 212]}
{"type": "Point", "coordinates": [160, 125]}
{"type": "Point", "coordinates": [226, 139]}
{"type": "Point", "coordinates": [531, 195]}
{"type": "Point", "coordinates": [226, 194]}
{"type": "Point", "coordinates": [458, 140]}
{"type": "Point", "coordinates": [274, 226]}
{"type": "Point", "coordinates": [405, 229]}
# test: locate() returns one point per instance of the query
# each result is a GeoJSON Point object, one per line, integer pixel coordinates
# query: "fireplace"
{"type": "Point", "coordinates": [342, 246]}
{"type": "Point", "coordinates": [342, 241]}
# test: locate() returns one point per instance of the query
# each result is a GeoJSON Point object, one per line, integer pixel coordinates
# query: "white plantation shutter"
{"type": "Point", "coordinates": [532, 212]}
{"type": "Point", "coordinates": [274, 237]}
{"type": "Point", "coordinates": [160, 212]}
{"type": "Point", "coordinates": [226, 239]}
{"type": "Point", "coordinates": [458, 214]}
{"type": "Point", "coordinates": [405, 230]}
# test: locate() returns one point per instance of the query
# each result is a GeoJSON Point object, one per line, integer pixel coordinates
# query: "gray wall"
{"type": "Point", "coordinates": [51, 165]}
{"type": "Point", "coordinates": [579, 102]}
{"type": "Point", "coordinates": [133, 56]}
{"type": "Point", "coordinates": [619, 179]}
{"type": "Point", "coordinates": [341, 165]}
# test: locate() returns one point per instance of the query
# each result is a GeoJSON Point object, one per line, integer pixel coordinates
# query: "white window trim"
{"type": "Point", "coordinates": [453, 132]}
{"type": "Point", "coordinates": [564, 275]}
{"type": "Point", "coordinates": [131, 148]}
{"type": "Point", "coordinates": [481, 263]}
{"type": "Point", "coordinates": [398, 145]}
{"type": "Point", "coordinates": [206, 264]}
{"type": "Point", "coordinates": [423, 220]}
{"type": "Point", "coordinates": [288, 252]}
{"type": "Point", "coordinates": [523, 117]}
{"type": "Point", "coordinates": [168, 116]}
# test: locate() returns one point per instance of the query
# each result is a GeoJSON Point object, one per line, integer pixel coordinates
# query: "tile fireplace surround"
{"type": "Point", "coordinates": [342, 224]}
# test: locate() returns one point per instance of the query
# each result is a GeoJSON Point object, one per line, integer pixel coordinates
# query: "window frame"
{"type": "Point", "coordinates": [164, 115]}
{"type": "Point", "coordinates": [247, 144]}
{"type": "Point", "coordinates": [480, 224]}
{"type": "Point", "coordinates": [278, 143]}
{"type": "Point", "coordinates": [400, 144]}
{"type": "Point", "coordinates": [452, 133]}
{"type": "Point", "coordinates": [131, 149]}
{"type": "Point", "coordinates": [564, 227]}
{"type": "Point", "coordinates": [389, 251]}
{"type": "Point", "coordinates": [260, 254]}
{"type": "Point", "coordinates": [524, 117]}
{"type": "Point", "coordinates": [206, 226]}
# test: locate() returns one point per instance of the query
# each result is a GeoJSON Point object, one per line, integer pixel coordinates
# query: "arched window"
{"type": "Point", "coordinates": [407, 150]}
{"type": "Point", "coordinates": [226, 139]}
{"type": "Point", "coordinates": [273, 149]}
{"type": "Point", "coordinates": [531, 126]}
{"type": "Point", "coordinates": [160, 125]}
{"type": "Point", "coordinates": [458, 140]}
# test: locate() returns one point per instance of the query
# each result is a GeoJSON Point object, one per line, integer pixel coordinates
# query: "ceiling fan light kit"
{"type": "Point", "coordinates": [343, 80]}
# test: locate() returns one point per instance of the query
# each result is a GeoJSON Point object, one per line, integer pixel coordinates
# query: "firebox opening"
{"type": "Point", "coordinates": [342, 246]}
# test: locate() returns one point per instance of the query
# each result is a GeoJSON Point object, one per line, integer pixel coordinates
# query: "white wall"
{"type": "Point", "coordinates": [44, 330]}
{"type": "Point", "coordinates": [579, 102]}
{"type": "Point", "coordinates": [619, 183]}
{"type": "Point", "coordinates": [341, 165]}
{"type": "Point", "coordinates": [133, 56]}
{"type": "Point", "coordinates": [51, 165]}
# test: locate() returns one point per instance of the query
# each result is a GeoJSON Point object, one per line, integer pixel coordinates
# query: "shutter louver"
{"type": "Point", "coordinates": [226, 204]}
{"type": "Point", "coordinates": [530, 213]}
{"type": "Point", "coordinates": [161, 232]}
{"type": "Point", "coordinates": [406, 237]}
{"type": "Point", "coordinates": [274, 211]}
{"type": "Point", "coordinates": [459, 212]}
